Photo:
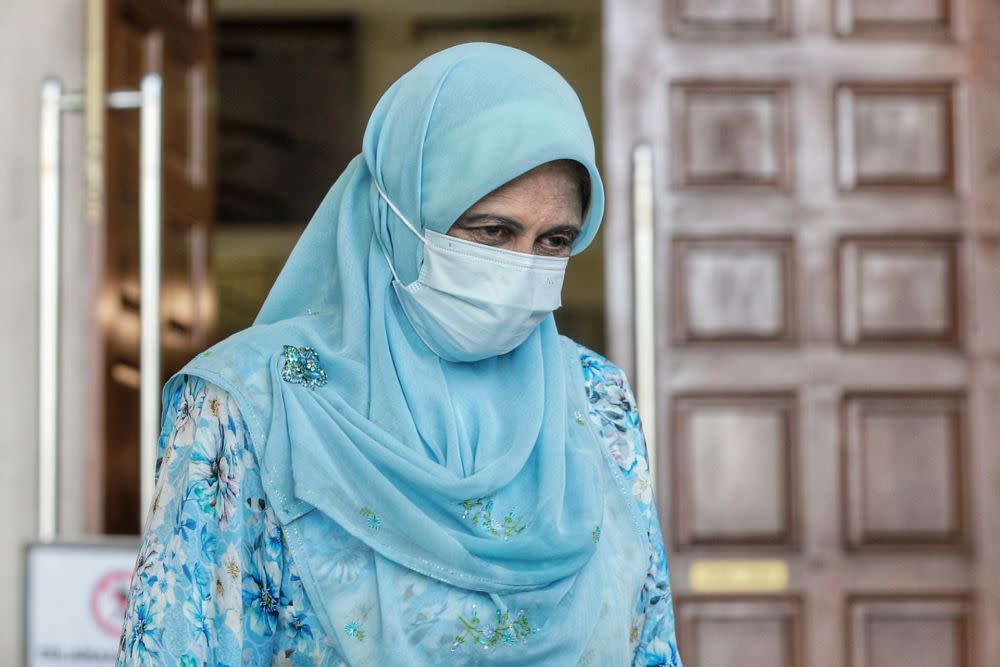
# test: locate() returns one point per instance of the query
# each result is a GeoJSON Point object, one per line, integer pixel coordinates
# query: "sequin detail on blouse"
{"type": "Point", "coordinates": [374, 520]}
{"type": "Point", "coordinates": [506, 631]}
{"type": "Point", "coordinates": [479, 512]}
{"type": "Point", "coordinates": [302, 366]}
{"type": "Point", "coordinates": [352, 629]}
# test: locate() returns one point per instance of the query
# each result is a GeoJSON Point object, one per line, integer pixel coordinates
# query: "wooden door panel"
{"type": "Point", "coordinates": [909, 631]}
{"type": "Point", "coordinates": [899, 290]}
{"type": "Point", "coordinates": [173, 39]}
{"type": "Point", "coordinates": [893, 18]}
{"type": "Point", "coordinates": [731, 289]}
{"type": "Point", "coordinates": [731, 133]}
{"type": "Point", "coordinates": [984, 275]}
{"type": "Point", "coordinates": [895, 134]}
{"type": "Point", "coordinates": [826, 313]}
{"type": "Point", "coordinates": [904, 470]}
{"type": "Point", "coordinates": [727, 19]}
{"type": "Point", "coordinates": [740, 631]}
{"type": "Point", "coordinates": [734, 470]}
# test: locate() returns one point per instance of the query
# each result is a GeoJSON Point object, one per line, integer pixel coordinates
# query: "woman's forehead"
{"type": "Point", "coordinates": [556, 180]}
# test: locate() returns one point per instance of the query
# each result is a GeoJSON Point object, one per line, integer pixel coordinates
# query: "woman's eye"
{"type": "Point", "coordinates": [557, 243]}
{"type": "Point", "coordinates": [493, 232]}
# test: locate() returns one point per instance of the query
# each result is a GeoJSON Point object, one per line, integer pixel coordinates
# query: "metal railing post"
{"type": "Point", "coordinates": [149, 100]}
{"type": "Point", "coordinates": [49, 207]}
{"type": "Point", "coordinates": [150, 223]}
{"type": "Point", "coordinates": [644, 254]}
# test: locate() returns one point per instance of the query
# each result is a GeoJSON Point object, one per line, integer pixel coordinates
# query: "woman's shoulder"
{"type": "Point", "coordinates": [196, 391]}
{"type": "Point", "coordinates": [613, 408]}
{"type": "Point", "coordinates": [598, 371]}
{"type": "Point", "coordinates": [199, 409]}
{"type": "Point", "coordinates": [233, 361]}
{"type": "Point", "coordinates": [241, 367]}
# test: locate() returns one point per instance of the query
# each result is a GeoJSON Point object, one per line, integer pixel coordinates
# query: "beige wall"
{"type": "Point", "coordinates": [38, 39]}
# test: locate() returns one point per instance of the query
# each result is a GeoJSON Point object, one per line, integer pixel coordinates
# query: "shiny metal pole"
{"type": "Point", "coordinates": [644, 254]}
{"type": "Point", "coordinates": [49, 208]}
{"type": "Point", "coordinates": [150, 209]}
{"type": "Point", "coordinates": [149, 99]}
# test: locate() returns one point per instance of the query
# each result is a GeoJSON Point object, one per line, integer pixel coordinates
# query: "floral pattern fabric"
{"type": "Point", "coordinates": [613, 412]}
{"type": "Point", "coordinates": [215, 585]}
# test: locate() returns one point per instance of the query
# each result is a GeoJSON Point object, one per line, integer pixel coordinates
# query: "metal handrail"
{"type": "Point", "coordinates": [644, 254]}
{"type": "Point", "coordinates": [150, 229]}
{"type": "Point", "coordinates": [53, 102]}
{"type": "Point", "coordinates": [49, 227]}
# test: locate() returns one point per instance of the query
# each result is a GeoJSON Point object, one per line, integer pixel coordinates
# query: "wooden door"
{"type": "Point", "coordinates": [175, 39]}
{"type": "Point", "coordinates": [827, 320]}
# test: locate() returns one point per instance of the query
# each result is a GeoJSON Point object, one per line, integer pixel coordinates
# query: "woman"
{"type": "Point", "coordinates": [401, 462]}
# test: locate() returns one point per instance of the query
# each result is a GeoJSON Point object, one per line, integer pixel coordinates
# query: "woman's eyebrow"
{"type": "Point", "coordinates": [480, 217]}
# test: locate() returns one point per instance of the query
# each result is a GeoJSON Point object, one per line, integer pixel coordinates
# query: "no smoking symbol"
{"type": "Point", "coordinates": [107, 601]}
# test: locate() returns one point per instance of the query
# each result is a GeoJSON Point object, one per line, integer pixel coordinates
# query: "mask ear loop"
{"type": "Point", "coordinates": [405, 222]}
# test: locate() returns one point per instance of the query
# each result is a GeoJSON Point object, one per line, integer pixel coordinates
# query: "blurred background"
{"type": "Point", "coordinates": [799, 270]}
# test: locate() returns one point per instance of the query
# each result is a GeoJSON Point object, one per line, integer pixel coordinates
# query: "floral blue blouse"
{"type": "Point", "coordinates": [215, 585]}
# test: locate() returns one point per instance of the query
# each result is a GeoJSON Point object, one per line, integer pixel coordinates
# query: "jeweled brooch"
{"type": "Point", "coordinates": [302, 367]}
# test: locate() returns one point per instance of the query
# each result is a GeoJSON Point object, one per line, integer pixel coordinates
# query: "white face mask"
{"type": "Point", "coordinates": [472, 302]}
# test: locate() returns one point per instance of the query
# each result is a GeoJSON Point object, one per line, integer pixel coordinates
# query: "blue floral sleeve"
{"type": "Point", "coordinates": [212, 583]}
{"type": "Point", "coordinates": [613, 411]}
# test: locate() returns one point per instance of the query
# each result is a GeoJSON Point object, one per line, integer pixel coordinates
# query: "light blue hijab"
{"type": "Point", "coordinates": [477, 476]}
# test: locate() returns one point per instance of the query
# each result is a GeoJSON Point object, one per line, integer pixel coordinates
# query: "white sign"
{"type": "Point", "coordinates": [75, 600]}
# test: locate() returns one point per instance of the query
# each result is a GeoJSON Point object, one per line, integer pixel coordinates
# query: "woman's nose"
{"type": "Point", "coordinates": [524, 243]}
